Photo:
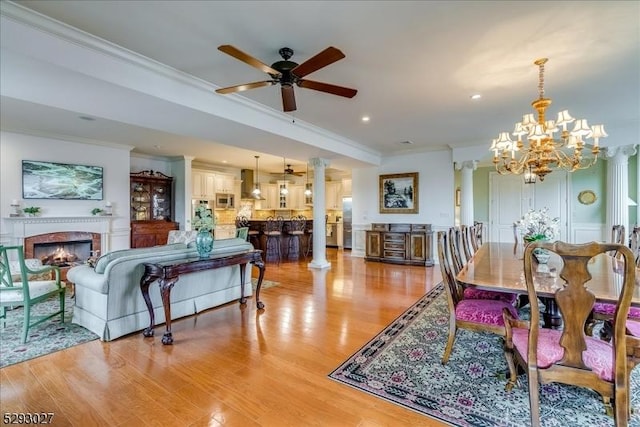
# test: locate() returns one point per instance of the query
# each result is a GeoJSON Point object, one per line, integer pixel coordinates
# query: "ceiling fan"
{"type": "Point", "coordinates": [288, 171]}
{"type": "Point", "coordinates": [287, 73]}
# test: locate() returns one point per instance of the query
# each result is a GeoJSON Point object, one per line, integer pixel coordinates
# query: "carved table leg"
{"type": "Point", "coordinates": [260, 264]}
{"type": "Point", "coordinates": [243, 299]}
{"type": "Point", "coordinates": [165, 292]}
{"type": "Point", "coordinates": [145, 281]}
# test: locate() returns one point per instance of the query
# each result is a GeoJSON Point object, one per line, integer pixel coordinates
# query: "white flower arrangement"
{"type": "Point", "coordinates": [538, 225]}
{"type": "Point", "coordinates": [203, 220]}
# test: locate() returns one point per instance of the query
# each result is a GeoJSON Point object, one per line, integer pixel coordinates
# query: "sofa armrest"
{"type": "Point", "coordinates": [87, 277]}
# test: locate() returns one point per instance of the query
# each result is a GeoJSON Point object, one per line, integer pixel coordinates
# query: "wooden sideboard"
{"type": "Point", "coordinates": [400, 244]}
{"type": "Point", "coordinates": [145, 234]}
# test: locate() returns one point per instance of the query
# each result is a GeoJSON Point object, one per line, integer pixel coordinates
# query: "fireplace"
{"type": "Point", "coordinates": [63, 249]}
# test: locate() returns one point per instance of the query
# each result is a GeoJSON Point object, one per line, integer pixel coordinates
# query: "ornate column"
{"type": "Point", "coordinates": [319, 209]}
{"type": "Point", "coordinates": [466, 191]}
{"type": "Point", "coordinates": [618, 186]}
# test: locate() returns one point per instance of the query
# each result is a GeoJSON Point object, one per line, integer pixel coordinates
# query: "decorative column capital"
{"type": "Point", "coordinates": [620, 152]}
{"type": "Point", "coordinates": [318, 162]}
{"type": "Point", "coordinates": [467, 164]}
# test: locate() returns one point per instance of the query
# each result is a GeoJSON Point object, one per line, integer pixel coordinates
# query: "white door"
{"type": "Point", "coordinates": [511, 198]}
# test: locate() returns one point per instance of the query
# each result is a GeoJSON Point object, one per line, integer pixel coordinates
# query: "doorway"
{"type": "Point", "coordinates": [510, 198]}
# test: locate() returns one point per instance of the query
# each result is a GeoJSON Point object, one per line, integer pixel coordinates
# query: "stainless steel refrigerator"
{"type": "Point", "coordinates": [346, 223]}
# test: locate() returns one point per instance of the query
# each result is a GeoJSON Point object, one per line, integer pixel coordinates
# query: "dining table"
{"type": "Point", "coordinates": [499, 266]}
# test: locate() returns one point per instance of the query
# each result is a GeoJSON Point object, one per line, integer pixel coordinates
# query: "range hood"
{"type": "Point", "coordinates": [247, 185]}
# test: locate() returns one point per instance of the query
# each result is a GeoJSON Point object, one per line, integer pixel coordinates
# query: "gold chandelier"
{"type": "Point", "coordinates": [544, 151]}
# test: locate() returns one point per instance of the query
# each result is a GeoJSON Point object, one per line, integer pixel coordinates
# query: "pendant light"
{"type": "Point", "coordinates": [307, 186]}
{"type": "Point", "coordinates": [256, 185]}
{"type": "Point", "coordinates": [283, 188]}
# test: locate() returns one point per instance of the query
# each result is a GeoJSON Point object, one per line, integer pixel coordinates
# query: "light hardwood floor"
{"type": "Point", "coordinates": [234, 367]}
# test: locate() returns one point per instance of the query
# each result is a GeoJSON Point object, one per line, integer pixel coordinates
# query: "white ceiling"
{"type": "Point", "coordinates": [415, 65]}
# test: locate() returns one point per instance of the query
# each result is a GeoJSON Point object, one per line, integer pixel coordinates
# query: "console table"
{"type": "Point", "coordinates": [167, 274]}
{"type": "Point", "coordinates": [400, 244]}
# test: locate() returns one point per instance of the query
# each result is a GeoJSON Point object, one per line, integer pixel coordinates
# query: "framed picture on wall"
{"type": "Point", "coordinates": [399, 193]}
{"type": "Point", "coordinates": [49, 180]}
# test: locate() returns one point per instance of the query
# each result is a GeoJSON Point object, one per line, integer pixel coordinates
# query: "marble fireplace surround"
{"type": "Point", "coordinates": [23, 230]}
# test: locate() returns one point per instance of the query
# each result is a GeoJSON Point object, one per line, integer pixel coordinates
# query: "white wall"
{"type": "Point", "coordinates": [16, 147]}
{"type": "Point", "coordinates": [435, 190]}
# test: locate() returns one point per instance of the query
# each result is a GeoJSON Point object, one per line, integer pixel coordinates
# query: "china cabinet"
{"type": "Point", "coordinates": [151, 208]}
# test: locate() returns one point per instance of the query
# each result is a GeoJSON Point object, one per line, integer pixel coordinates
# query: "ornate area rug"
{"type": "Point", "coordinates": [47, 337]}
{"type": "Point", "coordinates": [402, 365]}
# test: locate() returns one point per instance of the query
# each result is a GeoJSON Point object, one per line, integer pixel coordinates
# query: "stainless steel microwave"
{"type": "Point", "coordinates": [225, 201]}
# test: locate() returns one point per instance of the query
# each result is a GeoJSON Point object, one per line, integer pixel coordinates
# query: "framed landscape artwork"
{"type": "Point", "coordinates": [399, 193]}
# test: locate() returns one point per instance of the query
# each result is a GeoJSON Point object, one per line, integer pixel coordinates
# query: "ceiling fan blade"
{"type": "Point", "coordinates": [324, 58]}
{"type": "Point", "coordinates": [329, 88]}
{"type": "Point", "coordinates": [288, 99]}
{"type": "Point", "coordinates": [248, 59]}
{"type": "Point", "coordinates": [246, 86]}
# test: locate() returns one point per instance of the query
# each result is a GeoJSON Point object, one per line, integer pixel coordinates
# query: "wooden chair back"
{"type": "Point", "coordinates": [575, 302]}
{"type": "Point", "coordinates": [617, 235]}
{"type": "Point", "coordinates": [465, 236]}
{"type": "Point", "coordinates": [477, 235]}
{"type": "Point", "coordinates": [634, 240]}
{"type": "Point", "coordinates": [455, 251]}
{"type": "Point", "coordinates": [451, 284]}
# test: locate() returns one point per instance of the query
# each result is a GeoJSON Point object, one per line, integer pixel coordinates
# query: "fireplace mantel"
{"type": "Point", "coordinates": [26, 226]}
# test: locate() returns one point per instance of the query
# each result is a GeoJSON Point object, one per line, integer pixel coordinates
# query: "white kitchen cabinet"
{"type": "Point", "coordinates": [346, 187]}
{"type": "Point", "coordinates": [225, 231]}
{"type": "Point", "coordinates": [203, 185]}
{"type": "Point", "coordinates": [296, 198]}
{"type": "Point", "coordinates": [333, 195]}
{"type": "Point", "coordinates": [224, 183]}
{"type": "Point", "coordinates": [270, 195]}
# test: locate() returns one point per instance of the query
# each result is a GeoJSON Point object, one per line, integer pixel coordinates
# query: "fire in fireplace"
{"type": "Point", "coordinates": [63, 254]}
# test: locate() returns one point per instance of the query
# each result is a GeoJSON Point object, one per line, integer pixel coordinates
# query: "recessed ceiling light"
{"type": "Point", "coordinates": [476, 96]}
{"type": "Point", "coordinates": [87, 118]}
{"type": "Point", "coordinates": [366, 118]}
{"type": "Point", "coordinates": [224, 161]}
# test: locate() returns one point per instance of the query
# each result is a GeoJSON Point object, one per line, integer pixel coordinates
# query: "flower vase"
{"type": "Point", "coordinates": [204, 243]}
{"type": "Point", "coordinates": [542, 255]}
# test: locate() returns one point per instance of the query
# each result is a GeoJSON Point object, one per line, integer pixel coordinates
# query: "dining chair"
{"type": "Point", "coordinates": [465, 236]}
{"type": "Point", "coordinates": [569, 355]}
{"type": "Point", "coordinates": [634, 244]}
{"type": "Point", "coordinates": [480, 315]}
{"type": "Point", "coordinates": [618, 236]}
{"type": "Point", "coordinates": [455, 244]}
{"type": "Point", "coordinates": [24, 288]}
{"type": "Point", "coordinates": [455, 238]}
{"type": "Point", "coordinates": [477, 235]}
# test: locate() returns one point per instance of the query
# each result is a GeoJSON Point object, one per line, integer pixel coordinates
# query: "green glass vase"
{"type": "Point", "coordinates": [204, 243]}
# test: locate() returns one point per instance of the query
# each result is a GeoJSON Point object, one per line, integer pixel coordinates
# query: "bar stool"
{"type": "Point", "coordinates": [273, 232]}
{"type": "Point", "coordinates": [296, 230]}
{"type": "Point", "coordinates": [309, 242]}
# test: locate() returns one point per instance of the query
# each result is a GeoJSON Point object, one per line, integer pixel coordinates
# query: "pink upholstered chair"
{"type": "Point", "coordinates": [456, 237]}
{"type": "Point", "coordinates": [484, 315]}
{"type": "Point", "coordinates": [569, 356]}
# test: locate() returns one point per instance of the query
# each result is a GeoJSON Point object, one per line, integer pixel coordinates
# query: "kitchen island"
{"type": "Point", "coordinates": [296, 251]}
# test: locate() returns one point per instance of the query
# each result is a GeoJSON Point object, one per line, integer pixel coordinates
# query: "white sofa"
{"type": "Point", "coordinates": [108, 300]}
